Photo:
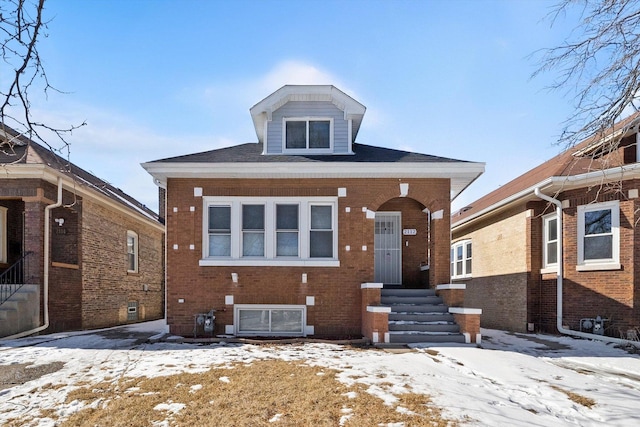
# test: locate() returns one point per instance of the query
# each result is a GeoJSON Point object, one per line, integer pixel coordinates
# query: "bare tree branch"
{"type": "Point", "coordinates": [21, 27]}
{"type": "Point", "coordinates": [598, 64]}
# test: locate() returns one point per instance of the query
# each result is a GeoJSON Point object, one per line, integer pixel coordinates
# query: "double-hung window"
{"type": "Point", "coordinates": [461, 259]}
{"type": "Point", "coordinates": [307, 133]}
{"type": "Point", "coordinates": [599, 236]}
{"type": "Point", "coordinates": [252, 230]}
{"type": "Point", "coordinates": [270, 231]}
{"type": "Point", "coordinates": [132, 252]}
{"type": "Point", "coordinates": [287, 230]}
{"type": "Point", "coordinates": [219, 230]}
{"type": "Point", "coordinates": [550, 242]}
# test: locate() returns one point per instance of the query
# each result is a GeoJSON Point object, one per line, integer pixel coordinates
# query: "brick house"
{"type": "Point", "coordinates": [75, 252]}
{"type": "Point", "coordinates": [506, 246]}
{"type": "Point", "coordinates": [296, 234]}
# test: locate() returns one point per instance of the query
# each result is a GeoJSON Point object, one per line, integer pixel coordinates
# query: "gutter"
{"type": "Point", "coordinates": [559, 282]}
{"type": "Point", "coordinates": [47, 256]}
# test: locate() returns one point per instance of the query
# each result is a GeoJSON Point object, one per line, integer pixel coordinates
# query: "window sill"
{"type": "Point", "coordinates": [269, 263]}
{"type": "Point", "coordinates": [549, 270]}
{"type": "Point", "coordinates": [468, 276]}
{"type": "Point", "coordinates": [599, 266]}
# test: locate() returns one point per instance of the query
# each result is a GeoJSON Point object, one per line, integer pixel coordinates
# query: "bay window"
{"type": "Point", "coordinates": [270, 231]}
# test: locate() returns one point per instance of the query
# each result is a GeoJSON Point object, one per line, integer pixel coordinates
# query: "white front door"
{"type": "Point", "coordinates": [388, 248]}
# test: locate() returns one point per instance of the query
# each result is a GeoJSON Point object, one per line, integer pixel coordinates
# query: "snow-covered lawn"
{"type": "Point", "coordinates": [515, 380]}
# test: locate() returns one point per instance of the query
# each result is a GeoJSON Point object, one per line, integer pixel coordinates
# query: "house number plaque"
{"type": "Point", "coordinates": [409, 232]}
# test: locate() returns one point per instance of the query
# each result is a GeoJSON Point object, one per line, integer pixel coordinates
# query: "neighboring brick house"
{"type": "Point", "coordinates": [101, 263]}
{"type": "Point", "coordinates": [279, 236]}
{"type": "Point", "coordinates": [505, 244]}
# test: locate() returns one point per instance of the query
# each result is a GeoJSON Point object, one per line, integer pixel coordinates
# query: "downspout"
{"type": "Point", "coordinates": [560, 275]}
{"type": "Point", "coordinates": [47, 256]}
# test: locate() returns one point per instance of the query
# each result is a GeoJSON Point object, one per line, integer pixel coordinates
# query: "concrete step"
{"type": "Point", "coordinates": [418, 308]}
{"type": "Point", "coordinates": [422, 317]}
{"type": "Point", "coordinates": [407, 337]}
{"type": "Point", "coordinates": [404, 325]}
{"type": "Point", "coordinates": [395, 299]}
{"type": "Point", "coordinates": [408, 292]}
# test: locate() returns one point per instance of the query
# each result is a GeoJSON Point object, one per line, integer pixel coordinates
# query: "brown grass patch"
{"type": "Point", "coordinates": [290, 393]}
{"type": "Point", "coordinates": [575, 397]}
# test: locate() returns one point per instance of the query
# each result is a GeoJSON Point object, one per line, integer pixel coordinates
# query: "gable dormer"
{"type": "Point", "coordinates": [307, 120]}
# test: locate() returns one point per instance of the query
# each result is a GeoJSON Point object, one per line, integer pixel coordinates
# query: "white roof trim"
{"type": "Point", "coordinates": [462, 174]}
{"type": "Point", "coordinates": [79, 186]}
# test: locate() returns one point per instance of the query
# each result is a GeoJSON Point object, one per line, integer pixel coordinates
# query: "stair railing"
{"type": "Point", "coordinates": [12, 279]}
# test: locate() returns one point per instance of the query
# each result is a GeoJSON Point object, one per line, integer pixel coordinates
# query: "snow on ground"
{"type": "Point", "coordinates": [516, 380]}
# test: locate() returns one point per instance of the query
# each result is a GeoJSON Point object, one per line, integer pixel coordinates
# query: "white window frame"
{"type": "Point", "coordinates": [270, 307]}
{"type": "Point", "coordinates": [454, 248]}
{"type": "Point", "coordinates": [270, 258]}
{"type": "Point", "coordinates": [306, 150]}
{"type": "Point", "coordinates": [612, 263]}
{"type": "Point", "coordinates": [548, 267]}
{"type": "Point", "coordinates": [3, 234]}
{"type": "Point", "coordinates": [134, 236]}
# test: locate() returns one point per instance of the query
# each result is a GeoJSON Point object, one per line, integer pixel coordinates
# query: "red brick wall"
{"type": "Point", "coordinates": [609, 293]}
{"type": "Point", "coordinates": [337, 310]}
{"type": "Point", "coordinates": [107, 286]}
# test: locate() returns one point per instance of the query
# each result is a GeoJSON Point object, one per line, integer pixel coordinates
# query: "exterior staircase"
{"type": "Point", "coordinates": [418, 315]}
{"type": "Point", "coordinates": [19, 300]}
{"type": "Point", "coordinates": [21, 311]}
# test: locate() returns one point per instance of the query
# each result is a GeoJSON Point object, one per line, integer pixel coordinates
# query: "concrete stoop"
{"type": "Point", "coordinates": [417, 316]}
{"type": "Point", "coordinates": [21, 311]}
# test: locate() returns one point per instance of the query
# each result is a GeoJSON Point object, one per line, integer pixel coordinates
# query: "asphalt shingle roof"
{"type": "Point", "coordinates": [252, 153]}
{"type": "Point", "coordinates": [26, 151]}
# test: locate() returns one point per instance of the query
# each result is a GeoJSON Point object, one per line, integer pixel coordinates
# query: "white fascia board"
{"type": "Point", "coordinates": [555, 184]}
{"type": "Point", "coordinates": [462, 172]}
{"type": "Point", "coordinates": [46, 173]}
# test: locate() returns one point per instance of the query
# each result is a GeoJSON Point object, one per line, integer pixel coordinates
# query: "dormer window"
{"type": "Point", "coordinates": [308, 133]}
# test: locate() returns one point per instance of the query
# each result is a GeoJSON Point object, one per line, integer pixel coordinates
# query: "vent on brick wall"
{"type": "Point", "coordinates": [132, 310]}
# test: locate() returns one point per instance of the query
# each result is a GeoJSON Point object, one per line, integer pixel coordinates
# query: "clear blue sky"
{"type": "Point", "coordinates": [160, 78]}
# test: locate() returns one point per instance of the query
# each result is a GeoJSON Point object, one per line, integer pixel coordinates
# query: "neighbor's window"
{"type": "Point", "coordinates": [550, 241]}
{"type": "Point", "coordinates": [307, 133]}
{"type": "Point", "coordinates": [599, 236]}
{"type": "Point", "coordinates": [132, 251]}
{"type": "Point", "coordinates": [270, 230]}
{"type": "Point", "coordinates": [3, 234]}
{"type": "Point", "coordinates": [461, 259]}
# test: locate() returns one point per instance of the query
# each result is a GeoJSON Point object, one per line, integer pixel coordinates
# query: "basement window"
{"type": "Point", "coordinates": [132, 311]}
{"type": "Point", "coordinates": [270, 320]}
